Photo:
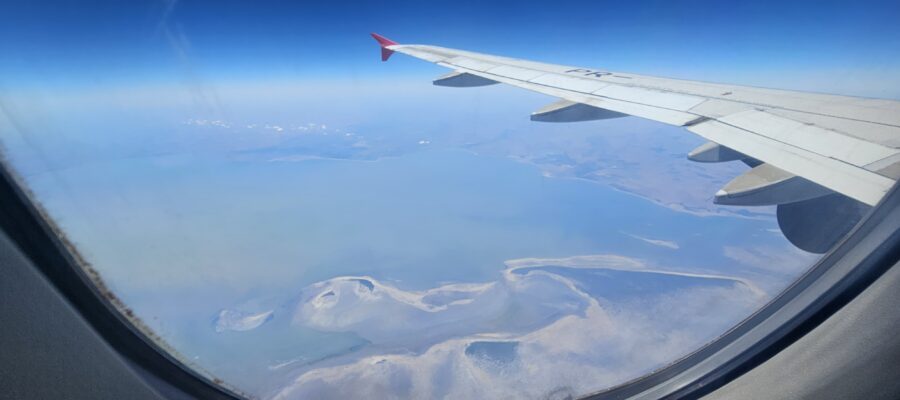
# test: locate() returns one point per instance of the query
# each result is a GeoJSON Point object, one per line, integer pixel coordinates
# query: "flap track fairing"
{"type": "Point", "coordinates": [462, 79]}
{"type": "Point", "coordinates": [568, 111]}
{"type": "Point", "coordinates": [767, 185]}
{"type": "Point", "coordinates": [712, 152]}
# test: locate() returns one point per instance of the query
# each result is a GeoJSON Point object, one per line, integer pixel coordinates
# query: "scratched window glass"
{"type": "Point", "coordinates": [297, 208]}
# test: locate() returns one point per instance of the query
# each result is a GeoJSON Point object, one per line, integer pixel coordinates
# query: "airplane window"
{"type": "Point", "coordinates": [295, 218]}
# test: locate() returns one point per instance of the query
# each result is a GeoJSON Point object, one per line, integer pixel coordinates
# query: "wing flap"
{"type": "Point", "coordinates": [572, 83]}
{"type": "Point", "coordinates": [811, 138]}
{"type": "Point", "coordinates": [656, 98]}
{"type": "Point", "coordinates": [858, 183]}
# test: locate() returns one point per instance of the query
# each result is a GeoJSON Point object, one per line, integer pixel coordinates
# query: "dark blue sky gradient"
{"type": "Point", "coordinates": [139, 42]}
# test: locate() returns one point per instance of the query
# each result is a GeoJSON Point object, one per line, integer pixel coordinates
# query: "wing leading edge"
{"type": "Point", "coordinates": [803, 145]}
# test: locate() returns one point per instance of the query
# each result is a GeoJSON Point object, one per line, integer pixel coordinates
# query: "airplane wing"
{"type": "Point", "coordinates": [802, 145]}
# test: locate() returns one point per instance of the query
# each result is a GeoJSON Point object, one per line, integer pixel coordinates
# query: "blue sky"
{"type": "Point", "coordinates": [138, 42]}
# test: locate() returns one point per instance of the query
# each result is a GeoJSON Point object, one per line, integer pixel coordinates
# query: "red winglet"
{"type": "Point", "coordinates": [384, 42]}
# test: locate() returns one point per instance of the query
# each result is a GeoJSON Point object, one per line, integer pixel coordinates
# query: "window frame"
{"type": "Point", "coordinates": [28, 227]}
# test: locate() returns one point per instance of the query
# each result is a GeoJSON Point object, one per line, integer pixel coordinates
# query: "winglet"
{"type": "Point", "coordinates": [384, 42]}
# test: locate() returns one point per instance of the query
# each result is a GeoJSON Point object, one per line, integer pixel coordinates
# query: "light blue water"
{"type": "Point", "coordinates": [180, 238]}
{"type": "Point", "coordinates": [612, 285]}
{"type": "Point", "coordinates": [418, 219]}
